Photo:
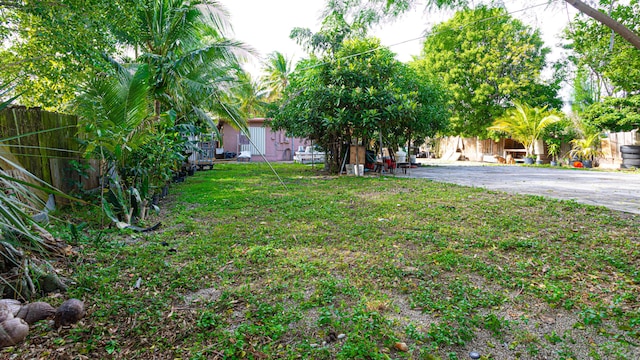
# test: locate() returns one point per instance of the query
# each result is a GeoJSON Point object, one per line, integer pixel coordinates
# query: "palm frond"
{"type": "Point", "coordinates": [5, 89]}
{"type": "Point", "coordinates": [278, 69]}
{"type": "Point", "coordinates": [115, 108]}
{"type": "Point", "coordinates": [231, 112]}
{"type": "Point", "coordinates": [216, 18]}
{"type": "Point", "coordinates": [204, 118]}
{"type": "Point", "coordinates": [221, 51]}
{"type": "Point", "coordinates": [524, 123]}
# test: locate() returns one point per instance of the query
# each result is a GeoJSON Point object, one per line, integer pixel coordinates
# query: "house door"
{"type": "Point", "coordinates": [259, 139]}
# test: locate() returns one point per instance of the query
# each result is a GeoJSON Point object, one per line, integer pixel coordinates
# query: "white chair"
{"type": "Point", "coordinates": [245, 156]}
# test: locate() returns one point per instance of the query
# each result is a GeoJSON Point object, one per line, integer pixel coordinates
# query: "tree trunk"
{"type": "Point", "coordinates": [607, 21]}
{"type": "Point", "coordinates": [157, 107]}
{"type": "Point", "coordinates": [336, 157]}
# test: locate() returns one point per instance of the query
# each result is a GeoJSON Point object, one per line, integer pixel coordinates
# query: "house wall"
{"type": "Point", "coordinates": [277, 146]}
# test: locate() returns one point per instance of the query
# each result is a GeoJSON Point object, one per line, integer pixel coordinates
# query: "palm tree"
{"type": "Point", "coordinates": [525, 124]}
{"type": "Point", "coordinates": [117, 116]}
{"type": "Point", "coordinates": [277, 68]}
{"type": "Point", "coordinates": [588, 146]}
{"type": "Point", "coordinates": [190, 60]}
{"type": "Point", "coordinates": [183, 77]}
{"type": "Point", "coordinates": [250, 96]}
{"type": "Point", "coordinates": [116, 111]}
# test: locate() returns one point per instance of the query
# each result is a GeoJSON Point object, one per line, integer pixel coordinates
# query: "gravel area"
{"type": "Point", "coordinates": [617, 190]}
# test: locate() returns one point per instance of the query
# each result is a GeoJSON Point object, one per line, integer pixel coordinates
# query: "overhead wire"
{"type": "Point", "coordinates": [360, 54]}
{"type": "Point", "coordinates": [421, 37]}
{"type": "Point", "coordinates": [245, 133]}
{"type": "Point", "coordinates": [424, 36]}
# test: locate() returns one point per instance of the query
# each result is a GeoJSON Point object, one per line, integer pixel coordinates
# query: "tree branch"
{"type": "Point", "coordinates": [607, 21]}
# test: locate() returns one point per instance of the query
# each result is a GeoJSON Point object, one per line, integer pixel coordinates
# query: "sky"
{"type": "Point", "coordinates": [265, 25]}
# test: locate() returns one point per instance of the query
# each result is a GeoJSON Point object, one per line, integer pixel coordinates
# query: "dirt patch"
{"type": "Point", "coordinates": [209, 295]}
{"type": "Point", "coordinates": [522, 328]}
{"type": "Point", "coordinates": [404, 314]}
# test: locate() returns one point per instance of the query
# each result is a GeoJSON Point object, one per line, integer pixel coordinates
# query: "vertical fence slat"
{"type": "Point", "coordinates": [37, 152]}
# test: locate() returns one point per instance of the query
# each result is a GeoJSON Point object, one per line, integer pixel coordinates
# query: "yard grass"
{"type": "Point", "coordinates": [345, 267]}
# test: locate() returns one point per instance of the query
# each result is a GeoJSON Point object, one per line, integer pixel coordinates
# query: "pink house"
{"type": "Point", "coordinates": [274, 145]}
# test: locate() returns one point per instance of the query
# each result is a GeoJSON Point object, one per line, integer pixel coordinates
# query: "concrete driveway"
{"type": "Point", "coordinates": [615, 190]}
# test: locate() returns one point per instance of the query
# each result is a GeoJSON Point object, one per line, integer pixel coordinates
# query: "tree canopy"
{"type": "Point", "coordinates": [52, 46]}
{"type": "Point", "coordinates": [394, 7]}
{"type": "Point", "coordinates": [486, 58]}
{"type": "Point", "coordinates": [361, 92]}
{"type": "Point", "coordinates": [614, 114]}
{"type": "Point", "coordinates": [614, 62]}
{"type": "Point", "coordinates": [190, 60]}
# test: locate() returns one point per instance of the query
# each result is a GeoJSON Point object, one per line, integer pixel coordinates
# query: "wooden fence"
{"type": "Point", "coordinates": [45, 144]}
{"type": "Point", "coordinates": [484, 150]}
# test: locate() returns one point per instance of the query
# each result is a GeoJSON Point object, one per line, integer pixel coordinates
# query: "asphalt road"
{"type": "Point", "coordinates": [616, 190]}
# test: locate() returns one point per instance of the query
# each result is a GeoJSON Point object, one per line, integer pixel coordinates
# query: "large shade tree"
{"type": "Point", "coordinates": [614, 114]}
{"type": "Point", "coordinates": [337, 27]}
{"type": "Point", "coordinates": [360, 93]}
{"type": "Point", "coordinates": [53, 46]}
{"type": "Point", "coordinates": [385, 8]}
{"type": "Point", "coordinates": [586, 90]}
{"type": "Point", "coordinates": [487, 59]}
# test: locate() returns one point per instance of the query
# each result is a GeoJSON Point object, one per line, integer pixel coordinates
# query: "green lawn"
{"type": "Point", "coordinates": [344, 267]}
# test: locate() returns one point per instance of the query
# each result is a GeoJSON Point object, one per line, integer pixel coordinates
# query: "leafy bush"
{"type": "Point", "coordinates": [614, 114]}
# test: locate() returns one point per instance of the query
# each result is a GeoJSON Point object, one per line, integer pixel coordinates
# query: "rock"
{"type": "Point", "coordinates": [5, 313]}
{"type": "Point", "coordinates": [548, 319]}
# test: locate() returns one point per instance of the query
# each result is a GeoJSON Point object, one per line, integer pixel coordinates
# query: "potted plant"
{"type": "Point", "coordinates": [529, 159]}
{"type": "Point", "coordinates": [553, 149]}
{"type": "Point", "coordinates": [587, 148]}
